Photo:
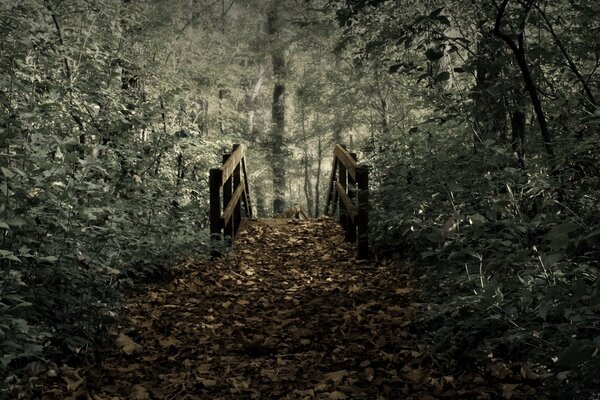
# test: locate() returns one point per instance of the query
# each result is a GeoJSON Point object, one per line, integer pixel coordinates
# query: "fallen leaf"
{"type": "Point", "coordinates": [207, 382]}
{"type": "Point", "coordinates": [169, 341]}
{"type": "Point", "coordinates": [138, 392]}
{"type": "Point", "coordinates": [337, 395]}
{"type": "Point", "coordinates": [127, 344]}
{"type": "Point", "coordinates": [337, 376]}
{"type": "Point", "coordinates": [508, 389]}
{"type": "Point", "coordinates": [73, 380]}
{"type": "Point", "coordinates": [499, 370]}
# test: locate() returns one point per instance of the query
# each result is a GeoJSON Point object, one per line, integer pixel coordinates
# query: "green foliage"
{"type": "Point", "coordinates": [102, 180]}
{"type": "Point", "coordinates": [504, 236]}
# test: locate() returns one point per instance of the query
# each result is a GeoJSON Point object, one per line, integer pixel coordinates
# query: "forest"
{"type": "Point", "coordinates": [480, 126]}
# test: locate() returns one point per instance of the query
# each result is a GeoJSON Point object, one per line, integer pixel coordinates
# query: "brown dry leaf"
{"type": "Point", "coordinates": [138, 392]}
{"type": "Point", "coordinates": [337, 395]}
{"type": "Point", "coordinates": [415, 375]}
{"type": "Point", "coordinates": [169, 341]}
{"type": "Point", "coordinates": [127, 344]}
{"type": "Point", "coordinates": [269, 373]}
{"type": "Point", "coordinates": [499, 370]}
{"type": "Point", "coordinates": [337, 376]}
{"type": "Point", "coordinates": [528, 372]}
{"type": "Point", "coordinates": [508, 389]}
{"type": "Point", "coordinates": [73, 380]}
{"type": "Point", "coordinates": [207, 382]}
{"type": "Point", "coordinates": [129, 368]}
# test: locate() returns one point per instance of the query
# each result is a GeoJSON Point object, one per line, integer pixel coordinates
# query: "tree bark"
{"type": "Point", "coordinates": [519, 53]}
{"type": "Point", "coordinates": [489, 112]}
{"type": "Point", "coordinates": [222, 92]}
{"type": "Point", "coordinates": [574, 69]}
{"type": "Point", "coordinates": [277, 110]}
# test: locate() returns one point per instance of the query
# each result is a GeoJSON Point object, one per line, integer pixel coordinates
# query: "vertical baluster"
{"type": "Point", "coordinates": [351, 226]}
{"type": "Point", "coordinates": [215, 207]}
{"type": "Point", "coordinates": [237, 180]}
{"type": "Point", "coordinates": [362, 181]}
{"type": "Point", "coordinates": [343, 180]}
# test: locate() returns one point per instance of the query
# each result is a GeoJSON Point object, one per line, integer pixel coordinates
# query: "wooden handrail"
{"type": "Point", "coordinates": [348, 193]}
{"type": "Point", "coordinates": [234, 159]}
{"type": "Point", "coordinates": [342, 155]}
{"type": "Point", "coordinates": [227, 180]}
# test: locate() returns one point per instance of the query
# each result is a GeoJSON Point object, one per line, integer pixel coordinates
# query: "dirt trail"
{"type": "Point", "coordinates": [288, 314]}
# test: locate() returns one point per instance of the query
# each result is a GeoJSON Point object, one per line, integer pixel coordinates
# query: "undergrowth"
{"type": "Point", "coordinates": [507, 256]}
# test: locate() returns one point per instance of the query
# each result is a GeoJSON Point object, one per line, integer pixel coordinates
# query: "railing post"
{"type": "Point", "coordinates": [237, 180]}
{"type": "Point", "coordinates": [362, 181]}
{"type": "Point", "coordinates": [214, 183]}
{"type": "Point", "coordinates": [343, 180]}
{"type": "Point", "coordinates": [351, 226]}
{"type": "Point", "coordinates": [227, 194]}
{"type": "Point", "coordinates": [329, 206]}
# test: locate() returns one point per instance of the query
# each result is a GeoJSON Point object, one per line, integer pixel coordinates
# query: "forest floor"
{"type": "Point", "coordinates": [288, 314]}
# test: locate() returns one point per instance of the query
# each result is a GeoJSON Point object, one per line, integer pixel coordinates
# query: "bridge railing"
{"type": "Point", "coordinates": [348, 193]}
{"type": "Point", "coordinates": [229, 191]}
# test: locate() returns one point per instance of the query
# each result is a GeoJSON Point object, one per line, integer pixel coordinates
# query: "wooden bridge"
{"type": "Point", "coordinates": [347, 197]}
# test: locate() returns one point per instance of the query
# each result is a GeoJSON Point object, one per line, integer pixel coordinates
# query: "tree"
{"type": "Point", "coordinates": [278, 150]}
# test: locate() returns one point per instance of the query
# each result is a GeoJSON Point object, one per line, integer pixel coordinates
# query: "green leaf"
{"type": "Point", "coordinates": [443, 20]}
{"type": "Point", "coordinates": [594, 238]}
{"type": "Point", "coordinates": [477, 219]}
{"type": "Point", "coordinates": [442, 76]}
{"type": "Point", "coordinates": [436, 12]}
{"type": "Point", "coordinates": [576, 354]}
{"type": "Point", "coordinates": [7, 172]}
{"type": "Point", "coordinates": [434, 54]}
{"type": "Point", "coordinates": [544, 308]}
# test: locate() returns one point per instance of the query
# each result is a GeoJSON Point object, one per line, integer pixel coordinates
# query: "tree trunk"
{"type": "Point", "coordinates": [251, 101]}
{"type": "Point", "coordinates": [518, 121]}
{"type": "Point", "coordinates": [383, 107]}
{"type": "Point", "coordinates": [489, 112]}
{"type": "Point", "coordinates": [277, 111]}
{"type": "Point", "coordinates": [222, 92]}
{"type": "Point", "coordinates": [519, 53]}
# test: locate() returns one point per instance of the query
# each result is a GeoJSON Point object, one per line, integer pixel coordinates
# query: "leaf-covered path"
{"type": "Point", "coordinates": [289, 314]}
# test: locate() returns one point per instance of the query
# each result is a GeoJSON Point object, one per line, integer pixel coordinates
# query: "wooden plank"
{"type": "Point", "coordinates": [346, 159]}
{"type": "Point", "coordinates": [232, 161]}
{"type": "Point", "coordinates": [362, 182]}
{"type": "Point", "coordinates": [346, 201]}
{"type": "Point", "coordinates": [230, 208]}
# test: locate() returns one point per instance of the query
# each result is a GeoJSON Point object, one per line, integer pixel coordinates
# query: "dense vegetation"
{"type": "Point", "coordinates": [480, 122]}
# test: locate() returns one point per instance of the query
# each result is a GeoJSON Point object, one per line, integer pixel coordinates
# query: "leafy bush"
{"type": "Point", "coordinates": [512, 269]}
